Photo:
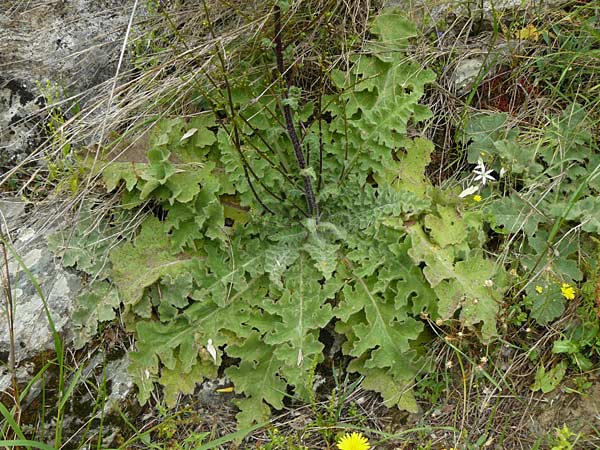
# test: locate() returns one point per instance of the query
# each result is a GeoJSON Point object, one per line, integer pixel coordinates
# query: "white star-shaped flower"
{"type": "Point", "coordinates": [482, 174]}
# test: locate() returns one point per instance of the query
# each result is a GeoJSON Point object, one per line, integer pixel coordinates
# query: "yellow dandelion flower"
{"type": "Point", "coordinates": [567, 291]}
{"type": "Point", "coordinates": [354, 441]}
{"type": "Point", "coordinates": [539, 289]}
{"type": "Point", "coordinates": [477, 198]}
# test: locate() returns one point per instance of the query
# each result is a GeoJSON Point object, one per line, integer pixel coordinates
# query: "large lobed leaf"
{"type": "Point", "coordinates": [138, 265]}
{"type": "Point", "coordinates": [463, 280]}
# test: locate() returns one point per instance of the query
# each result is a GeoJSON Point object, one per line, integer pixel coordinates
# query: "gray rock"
{"type": "Point", "coordinates": [465, 74]}
{"type": "Point", "coordinates": [18, 132]}
{"type": "Point", "coordinates": [24, 373]}
{"type": "Point", "coordinates": [10, 212]}
{"type": "Point", "coordinates": [121, 384]}
{"type": "Point", "coordinates": [478, 64]}
{"type": "Point", "coordinates": [28, 232]}
{"type": "Point", "coordinates": [55, 49]}
{"type": "Point", "coordinates": [58, 287]}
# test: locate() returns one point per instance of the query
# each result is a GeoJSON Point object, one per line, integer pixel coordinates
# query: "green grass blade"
{"type": "Point", "coordinates": [65, 396]}
{"type": "Point", "coordinates": [36, 377]}
{"type": "Point", "coordinates": [11, 421]}
{"type": "Point", "coordinates": [24, 442]}
{"type": "Point", "coordinates": [238, 435]}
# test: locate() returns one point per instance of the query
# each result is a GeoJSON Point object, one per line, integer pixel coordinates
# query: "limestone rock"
{"type": "Point", "coordinates": [59, 287]}
{"type": "Point", "coordinates": [52, 49]}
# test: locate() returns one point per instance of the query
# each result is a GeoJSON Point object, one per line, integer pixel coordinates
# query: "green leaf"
{"type": "Point", "coordinates": [323, 253]}
{"type": "Point", "coordinates": [184, 186]}
{"type": "Point", "coordinates": [548, 381]}
{"type": "Point", "coordinates": [446, 227]}
{"type": "Point", "coordinates": [86, 247]}
{"type": "Point", "coordinates": [569, 134]}
{"type": "Point", "coordinates": [222, 275]}
{"type": "Point", "coordinates": [513, 214]}
{"type": "Point", "coordinates": [393, 30]}
{"type": "Point", "coordinates": [379, 330]}
{"type": "Point", "coordinates": [203, 137]}
{"type": "Point", "coordinates": [277, 260]}
{"type": "Point", "coordinates": [252, 410]}
{"type": "Point", "coordinates": [159, 167]}
{"type": "Point", "coordinates": [201, 218]}
{"type": "Point", "coordinates": [411, 170]}
{"type": "Point", "coordinates": [517, 157]}
{"type": "Point", "coordinates": [139, 264]}
{"type": "Point", "coordinates": [283, 252]}
{"type": "Point", "coordinates": [587, 213]}
{"type": "Point", "coordinates": [469, 285]}
{"type": "Point", "coordinates": [565, 346]}
{"type": "Point", "coordinates": [181, 346]}
{"type": "Point", "coordinates": [546, 305]}
{"type": "Point", "coordinates": [360, 207]}
{"type": "Point", "coordinates": [302, 311]}
{"type": "Point", "coordinates": [164, 343]}
{"type": "Point", "coordinates": [293, 98]}
{"type": "Point", "coordinates": [558, 260]}
{"type": "Point", "coordinates": [167, 132]}
{"type": "Point", "coordinates": [381, 96]}
{"type": "Point", "coordinates": [483, 131]}
{"type": "Point", "coordinates": [96, 305]}
{"type": "Point", "coordinates": [257, 378]}
{"type": "Point", "coordinates": [115, 171]}
{"type": "Point", "coordinates": [167, 342]}
{"type": "Point", "coordinates": [394, 393]}
{"type": "Point", "coordinates": [176, 381]}
{"type": "Point", "coordinates": [412, 291]}
{"type": "Point", "coordinates": [384, 331]}
{"type": "Point", "coordinates": [180, 182]}
{"type": "Point", "coordinates": [174, 293]}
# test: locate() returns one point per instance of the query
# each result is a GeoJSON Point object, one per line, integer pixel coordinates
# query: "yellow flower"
{"type": "Point", "coordinates": [539, 289]}
{"type": "Point", "coordinates": [529, 33]}
{"type": "Point", "coordinates": [567, 291]}
{"type": "Point", "coordinates": [354, 441]}
{"type": "Point", "coordinates": [477, 198]}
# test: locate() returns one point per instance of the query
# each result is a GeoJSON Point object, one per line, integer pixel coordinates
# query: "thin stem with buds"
{"type": "Point", "coordinates": [311, 202]}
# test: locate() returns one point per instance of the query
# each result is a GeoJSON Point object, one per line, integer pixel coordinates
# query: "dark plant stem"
{"type": "Point", "coordinates": [311, 202]}
{"type": "Point", "coordinates": [235, 134]}
{"type": "Point", "coordinates": [320, 176]}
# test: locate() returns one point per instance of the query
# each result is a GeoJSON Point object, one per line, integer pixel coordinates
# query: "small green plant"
{"type": "Point", "coordinates": [547, 380]}
{"type": "Point", "coordinates": [279, 441]}
{"type": "Point", "coordinates": [432, 386]}
{"type": "Point", "coordinates": [564, 439]}
{"type": "Point", "coordinates": [62, 164]}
